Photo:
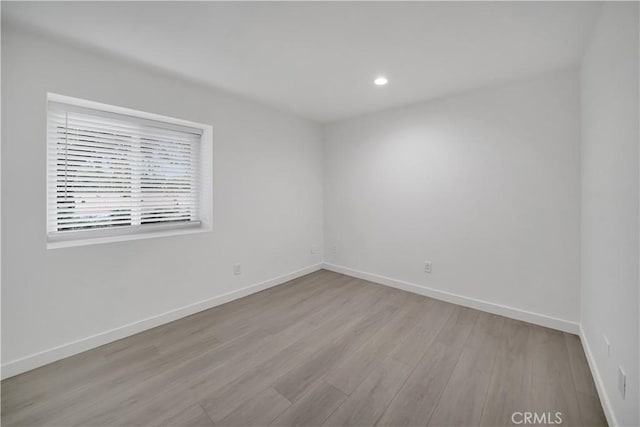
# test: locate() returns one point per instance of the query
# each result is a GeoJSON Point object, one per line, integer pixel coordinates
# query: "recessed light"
{"type": "Point", "coordinates": [381, 81]}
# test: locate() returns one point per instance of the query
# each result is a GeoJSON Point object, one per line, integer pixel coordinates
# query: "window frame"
{"type": "Point", "coordinates": [135, 232]}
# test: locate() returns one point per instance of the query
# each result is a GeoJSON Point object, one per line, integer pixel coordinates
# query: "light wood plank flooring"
{"type": "Point", "coordinates": [324, 349]}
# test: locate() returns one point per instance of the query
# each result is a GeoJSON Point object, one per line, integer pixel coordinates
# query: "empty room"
{"type": "Point", "coordinates": [320, 213]}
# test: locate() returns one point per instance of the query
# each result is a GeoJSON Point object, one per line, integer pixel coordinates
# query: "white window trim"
{"type": "Point", "coordinates": [92, 237]}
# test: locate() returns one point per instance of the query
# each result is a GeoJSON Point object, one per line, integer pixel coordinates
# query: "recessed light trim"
{"type": "Point", "coordinates": [381, 81]}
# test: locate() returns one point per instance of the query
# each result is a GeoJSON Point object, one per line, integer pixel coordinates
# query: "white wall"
{"type": "Point", "coordinates": [485, 184]}
{"type": "Point", "coordinates": [267, 202]}
{"type": "Point", "coordinates": [610, 198]}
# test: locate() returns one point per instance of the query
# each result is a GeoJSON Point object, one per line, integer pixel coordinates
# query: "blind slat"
{"type": "Point", "coordinates": [61, 136]}
{"type": "Point", "coordinates": [113, 131]}
{"type": "Point", "coordinates": [110, 166]}
{"type": "Point", "coordinates": [83, 150]}
{"type": "Point", "coordinates": [127, 120]}
{"type": "Point", "coordinates": [72, 222]}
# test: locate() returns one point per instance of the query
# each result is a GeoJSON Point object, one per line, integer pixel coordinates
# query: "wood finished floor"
{"type": "Point", "coordinates": [324, 349]}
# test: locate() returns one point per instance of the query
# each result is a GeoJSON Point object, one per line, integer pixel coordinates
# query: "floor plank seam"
{"type": "Point", "coordinates": [486, 397]}
{"type": "Point", "coordinates": [444, 388]}
{"type": "Point", "coordinates": [462, 346]}
{"type": "Point", "coordinates": [335, 410]}
{"type": "Point", "coordinates": [412, 370]}
{"type": "Point", "coordinates": [206, 414]}
{"type": "Point", "coordinates": [573, 377]}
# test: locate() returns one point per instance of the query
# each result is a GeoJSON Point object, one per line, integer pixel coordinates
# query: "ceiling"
{"type": "Point", "coordinates": [319, 60]}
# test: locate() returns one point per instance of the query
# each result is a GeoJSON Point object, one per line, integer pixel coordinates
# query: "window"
{"type": "Point", "coordinates": [120, 173]}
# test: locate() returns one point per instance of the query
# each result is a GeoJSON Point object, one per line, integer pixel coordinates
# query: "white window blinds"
{"type": "Point", "coordinates": [108, 171]}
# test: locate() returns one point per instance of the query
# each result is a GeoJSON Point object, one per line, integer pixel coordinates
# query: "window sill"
{"type": "Point", "coordinates": [126, 237]}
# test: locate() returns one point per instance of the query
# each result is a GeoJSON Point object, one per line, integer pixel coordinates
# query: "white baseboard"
{"type": "Point", "coordinates": [502, 310]}
{"type": "Point", "coordinates": [597, 378]}
{"type": "Point", "coordinates": [42, 358]}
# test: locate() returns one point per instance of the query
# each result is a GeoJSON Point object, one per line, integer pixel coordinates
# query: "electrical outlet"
{"type": "Point", "coordinates": [236, 269]}
{"type": "Point", "coordinates": [622, 381]}
{"type": "Point", "coordinates": [315, 249]}
{"type": "Point", "coordinates": [607, 345]}
{"type": "Point", "coordinates": [427, 266]}
{"type": "Point", "coordinates": [334, 249]}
